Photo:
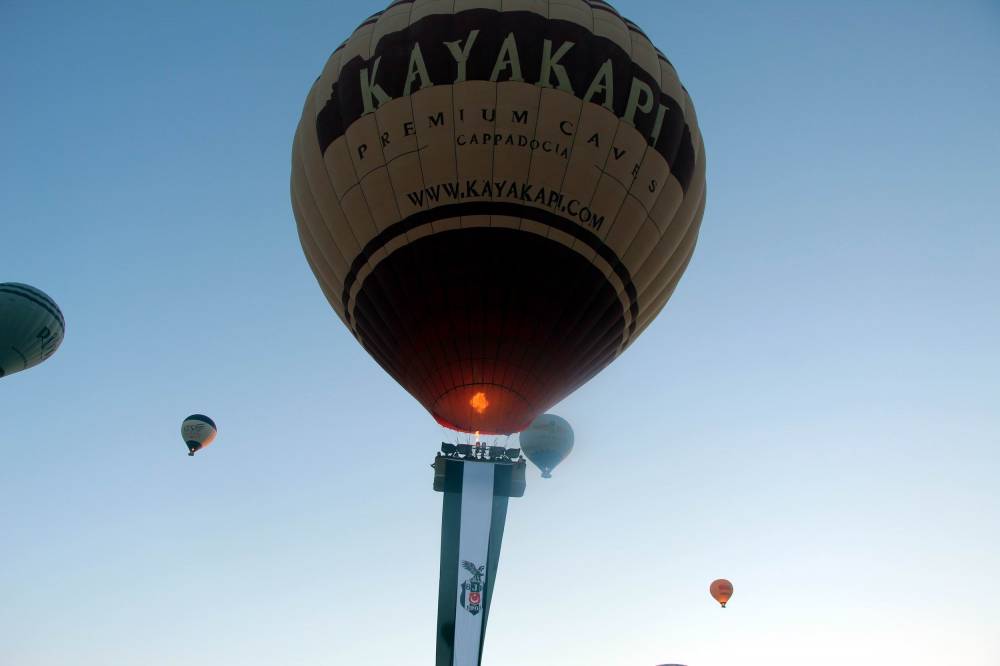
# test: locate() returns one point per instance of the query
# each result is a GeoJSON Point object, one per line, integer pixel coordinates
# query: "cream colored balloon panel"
{"type": "Point", "coordinates": [330, 284]}
{"type": "Point", "coordinates": [397, 129]}
{"type": "Point", "coordinates": [677, 226]}
{"type": "Point", "coordinates": [557, 112]}
{"type": "Point", "coordinates": [642, 247]}
{"type": "Point", "coordinates": [561, 237]}
{"type": "Point", "coordinates": [670, 84]}
{"type": "Point", "coordinates": [661, 270]}
{"type": "Point", "coordinates": [534, 227]}
{"type": "Point", "coordinates": [591, 147]}
{"type": "Point", "coordinates": [323, 86]}
{"type": "Point", "coordinates": [463, 5]}
{"type": "Point", "coordinates": [517, 112]}
{"type": "Point", "coordinates": [446, 224]}
{"type": "Point", "coordinates": [576, 11]}
{"type": "Point", "coordinates": [392, 20]}
{"type": "Point", "coordinates": [356, 210]}
{"type": "Point", "coordinates": [643, 54]}
{"type": "Point", "coordinates": [657, 301]}
{"type": "Point", "coordinates": [609, 25]}
{"type": "Point", "coordinates": [435, 120]}
{"type": "Point", "coordinates": [667, 204]}
{"type": "Point", "coordinates": [395, 243]}
{"type": "Point", "coordinates": [650, 275]}
{"type": "Point", "coordinates": [312, 219]}
{"type": "Point", "coordinates": [654, 311]}
{"type": "Point", "coordinates": [359, 44]}
{"type": "Point", "coordinates": [691, 116]}
{"type": "Point", "coordinates": [423, 8]}
{"type": "Point", "coordinates": [380, 198]}
{"type": "Point", "coordinates": [540, 7]}
{"type": "Point", "coordinates": [628, 149]}
{"type": "Point", "coordinates": [331, 293]}
{"type": "Point", "coordinates": [473, 101]}
{"type": "Point", "coordinates": [660, 300]}
{"type": "Point", "coordinates": [505, 222]}
{"type": "Point", "coordinates": [473, 222]}
{"type": "Point", "coordinates": [399, 144]}
{"type": "Point", "coordinates": [406, 177]}
{"type": "Point", "coordinates": [328, 80]}
{"type": "Point", "coordinates": [630, 219]}
{"type": "Point", "coordinates": [651, 180]}
{"type": "Point", "coordinates": [327, 234]}
{"type": "Point", "coordinates": [313, 170]}
{"type": "Point", "coordinates": [363, 146]}
{"type": "Point", "coordinates": [340, 167]}
{"type": "Point", "coordinates": [606, 201]}
{"type": "Point", "coordinates": [682, 243]}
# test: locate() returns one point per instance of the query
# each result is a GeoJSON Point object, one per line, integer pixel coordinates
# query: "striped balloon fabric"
{"type": "Point", "coordinates": [497, 197]}
{"type": "Point", "coordinates": [31, 327]}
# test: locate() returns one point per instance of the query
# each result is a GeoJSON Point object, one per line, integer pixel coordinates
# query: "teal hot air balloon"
{"type": "Point", "coordinates": [547, 442]}
{"type": "Point", "coordinates": [31, 327]}
{"type": "Point", "coordinates": [198, 431]}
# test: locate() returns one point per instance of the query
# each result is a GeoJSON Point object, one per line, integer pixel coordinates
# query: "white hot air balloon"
{"type": "Point", "coordinates": [547, 442]}
{"type": "Point", "coordinates": [198, 431]}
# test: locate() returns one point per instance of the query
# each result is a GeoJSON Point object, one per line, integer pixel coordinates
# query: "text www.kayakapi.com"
{"type": "Point", "coordinates": [510, 190]}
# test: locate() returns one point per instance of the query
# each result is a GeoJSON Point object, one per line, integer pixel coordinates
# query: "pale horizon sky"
{"type": "Point", "coordinates": [814, 416]}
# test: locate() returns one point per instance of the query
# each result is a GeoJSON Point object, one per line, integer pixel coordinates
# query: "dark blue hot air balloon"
{"type": "Point", "coordinates": [31, 327]}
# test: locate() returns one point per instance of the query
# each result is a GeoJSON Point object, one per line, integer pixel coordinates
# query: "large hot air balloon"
{"type": "Point", "coordinates": [721, 591]}
{"type": "Point", "coordinates": [31, 327]}
{"type": "Point", "coordinates": [497, 202]}
{"type": "Point", "coordinates": [547, 442]}
{"type": "Point", "coordinates": [198, 431]}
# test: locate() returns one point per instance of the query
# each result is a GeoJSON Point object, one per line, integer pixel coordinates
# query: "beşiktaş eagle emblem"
{"type": "Point", "coordinates": [471, 597]}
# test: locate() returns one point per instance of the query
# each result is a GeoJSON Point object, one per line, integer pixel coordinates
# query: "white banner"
{"type": "Point", "coordinates": [473, 550]}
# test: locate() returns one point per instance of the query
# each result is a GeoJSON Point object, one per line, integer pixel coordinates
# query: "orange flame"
{"type": "Point", "coordinates": [479, 402]}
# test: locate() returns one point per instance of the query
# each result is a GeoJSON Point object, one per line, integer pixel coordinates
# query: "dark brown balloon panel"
{"type": "Point", "coordinates": [497, 197]}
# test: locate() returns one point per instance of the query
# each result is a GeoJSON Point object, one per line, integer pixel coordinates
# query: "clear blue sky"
{"type": "Point", "coordinates": [816, 415]}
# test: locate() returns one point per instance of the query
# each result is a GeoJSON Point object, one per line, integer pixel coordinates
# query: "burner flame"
{"type": "Point", "coordinates": [479, 402]}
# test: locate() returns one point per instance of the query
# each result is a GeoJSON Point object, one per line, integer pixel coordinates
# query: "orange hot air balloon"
{"type": "Point", "coordinates": [721, 591]}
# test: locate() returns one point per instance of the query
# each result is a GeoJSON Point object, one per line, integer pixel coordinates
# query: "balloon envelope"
{"type": "Point", "coordinates": [721, 591]}
{"type": "Point", "coordinates": [497, 202]}
{"type": "Point", "coordinates": [547, 442]}
{"type": "Point", "coordinates": [31, 327]}
{"type": "Point", "coordinates": [198, 431]}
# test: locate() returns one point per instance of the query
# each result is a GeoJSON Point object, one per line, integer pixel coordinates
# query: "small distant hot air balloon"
{"type": "Point", "coordinates": [547, 442]}
{"type": "Point", "coordinates": [721, 591]}
{"type": "Point", "coordinates": [31, 327]}
{"type": "Point", "coordinates": [198, 431]}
